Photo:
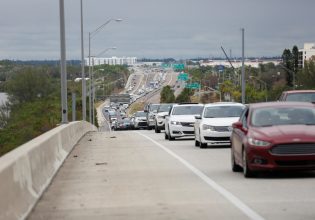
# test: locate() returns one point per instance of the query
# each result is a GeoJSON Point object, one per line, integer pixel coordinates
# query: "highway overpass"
{"type": "Point", "coordinates": [78, 172]}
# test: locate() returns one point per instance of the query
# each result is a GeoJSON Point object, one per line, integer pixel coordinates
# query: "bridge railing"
{"type": "Point", "coordinates": [26, 171]}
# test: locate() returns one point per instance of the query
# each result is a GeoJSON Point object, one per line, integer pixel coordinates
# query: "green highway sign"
{"type": "Point", "coordinates": [183, 76]}
{"type": "Point", "coordinates": [165, 65]}
{"type": "Point", "coordinates": [192, 85]}
{"type": "Point", "coordinates": [179, 66]}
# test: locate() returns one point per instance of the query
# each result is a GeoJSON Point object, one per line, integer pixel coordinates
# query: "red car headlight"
{"type": "Point", "coordinates": [258, 143]}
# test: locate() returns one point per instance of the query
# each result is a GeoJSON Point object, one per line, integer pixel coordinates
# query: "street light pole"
{"type": "Point", "coordinates": [82, 69]}
{"type": "Point", "coordinates": [91, 35]}
{"type": "Point", "coordinates": [90, 79]}
{"type": "Point", "coordinates": [64, 106]}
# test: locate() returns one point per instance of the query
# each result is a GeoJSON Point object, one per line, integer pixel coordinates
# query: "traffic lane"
{"type": "Point", "coordinates": [121, 175]}
{"type": "Point", "coordinates": [273, 196]}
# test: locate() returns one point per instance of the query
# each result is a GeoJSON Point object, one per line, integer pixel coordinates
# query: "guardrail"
{"type": "Point", "coordinates": [26, 171]}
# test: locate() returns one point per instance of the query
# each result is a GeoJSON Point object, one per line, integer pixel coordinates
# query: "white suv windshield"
{"type": "Point", "coordinates": [187, 110]}
{"type": "Point", "coordinates": [223, 111]}
{"type": "Point", "coordinates": [141, 114]}
{"type": "Point", "coordinates": [164, 108]}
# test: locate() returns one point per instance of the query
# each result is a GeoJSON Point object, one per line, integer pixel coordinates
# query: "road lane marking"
{"type": "Point", "coordinates": [228, 195]}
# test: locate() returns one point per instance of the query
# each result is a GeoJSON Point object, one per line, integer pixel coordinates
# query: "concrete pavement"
{"type": "Point", "coordinates": [122, 175]}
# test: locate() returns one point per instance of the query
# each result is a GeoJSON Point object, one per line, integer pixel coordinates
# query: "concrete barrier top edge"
{"type": "Point", "coordinates": [9, 158]}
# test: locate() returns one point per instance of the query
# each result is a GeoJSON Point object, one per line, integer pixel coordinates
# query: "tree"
{"type": "Point", "coordinates": [287, 61]}
{"type": "Point", "coordinates": [184, 96]}
{"type": "Point", "coordinates": [28, 85]}
{"type": "Point", "coordinates": [4, 114]}
{"type": "Point", "coordinates": [306, 77]}
{"type": "Point", "coordinates": [167, 95]}
{"type": "Point", "coordinates": [295, 58]}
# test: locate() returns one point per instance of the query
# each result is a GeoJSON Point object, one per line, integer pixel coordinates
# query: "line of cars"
{"type": "Point", "coordinates": [152, 117]}
{"type": "Point", "coordinates": [270, 136]}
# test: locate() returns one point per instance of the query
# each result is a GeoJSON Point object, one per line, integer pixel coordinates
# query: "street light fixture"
{"type": "Point", "coordinates": [91, 35]}
{"type": "Point", "coordinates": [104, 51]}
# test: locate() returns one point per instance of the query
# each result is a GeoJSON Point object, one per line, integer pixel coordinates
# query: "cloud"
{"type": "Point", "coordinates": [151, 28]}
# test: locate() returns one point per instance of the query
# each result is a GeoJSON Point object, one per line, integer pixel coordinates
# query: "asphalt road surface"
{"type": "Point", "coordinates": [139, 175]}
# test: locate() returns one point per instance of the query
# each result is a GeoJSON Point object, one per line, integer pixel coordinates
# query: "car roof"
{"type": "Point", "coordinates": [299, 91]}
{"type": "Point", "coordinates": [188, 104]}
{"type": "Point", "coordinates": [281, 104]}
{"type": "Point", "coordinates": [224, 104]}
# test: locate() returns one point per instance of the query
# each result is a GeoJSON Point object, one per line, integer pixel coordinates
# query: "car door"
{"type": "Point", "coordinates": [167, 121]}
{"type": "Point", "coordinates": [197, 123]}
{"type": "Point", "coordinates": [239, 134]}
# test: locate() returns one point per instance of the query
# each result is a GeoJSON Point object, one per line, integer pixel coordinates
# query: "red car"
{"type": "Point", "coordinates": [274, 136]}
{"type": "Point", "coordinates": [298, 96]}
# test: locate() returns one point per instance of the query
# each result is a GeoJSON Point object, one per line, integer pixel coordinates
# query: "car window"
{"type": "Point", "coordinates": [141, 114]}
{"type": "Point", "coordinates": [164, 108]}
{"type": "Point", "coordinates": [223, 111]}
{"type": "Point", "coordinates": [244, 116]}
{"type": "Point", "coordinates": [301, 97]}
{"type": "Point", "coordinates": [187, 110]}
{"type": "Point", "coordinates": [153, 107]}
{"type": "Point", "coordinates": [283, 116]}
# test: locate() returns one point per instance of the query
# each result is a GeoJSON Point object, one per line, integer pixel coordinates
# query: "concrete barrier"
{"type": "Point", "coordinates": [27, 171]}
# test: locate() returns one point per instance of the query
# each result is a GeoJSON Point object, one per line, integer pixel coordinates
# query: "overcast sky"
{"type": "Point", "coordinates": [29, 29]}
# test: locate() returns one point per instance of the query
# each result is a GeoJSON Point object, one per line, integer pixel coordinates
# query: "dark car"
{"type": "Point", "coordinates": [298, 96]}
{"type": "Point", "coordinates": [274, 136]}
{"type": "Point", "coordinates": [123, 124]}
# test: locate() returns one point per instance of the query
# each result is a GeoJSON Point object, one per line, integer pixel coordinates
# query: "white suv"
{"type": "Point", "coordinates": [140, 120]}
{"type": "Point", "coordinates": [162, 112]}
{"type": "Point", "coordinates": [214, 126]}
{"type": "Point", "coordinates": [180, 121]}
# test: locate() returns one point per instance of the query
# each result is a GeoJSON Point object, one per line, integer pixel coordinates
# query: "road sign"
{"type": "Point", "coordinates": [179, 66]}
{"type": "Point", "coordinates": [220, 68]}
{"type": "Point", "coordinates": [192, 86]}
{"type": "Point", "coordinates": [165, 65]}
{"type": "Point", "coordinates": [183, 76]}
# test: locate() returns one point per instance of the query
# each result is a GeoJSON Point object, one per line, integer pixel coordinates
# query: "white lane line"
{"type": "Point", "coordinates": [229, 196]}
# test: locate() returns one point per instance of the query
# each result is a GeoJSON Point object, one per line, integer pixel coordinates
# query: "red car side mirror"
{"type": "Point", "coordinates": [238, 125]}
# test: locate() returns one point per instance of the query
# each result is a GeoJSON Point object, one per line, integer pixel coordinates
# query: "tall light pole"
{"type": "Point", "coordinates": [93, 99]}
{"type": "Point", "coordinates": [243, 68]}
{"type": "Point", "coordinates": [91, 35]}
{"type": "Point", "coordinates": [64, 106]}
{"type": "Point", "coordinates": [82, 69]}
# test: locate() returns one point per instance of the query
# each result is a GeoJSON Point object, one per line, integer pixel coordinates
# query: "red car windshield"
{"type": "Point", "coordinates": [264, 117]}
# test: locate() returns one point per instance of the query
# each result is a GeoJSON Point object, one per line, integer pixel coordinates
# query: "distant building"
{"type": "Point", "coordinates": [238, 63]}
{"type": "Point", "coordinates": [112, 61]}
{"type": "Point", "coordinates": [306, 53]}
